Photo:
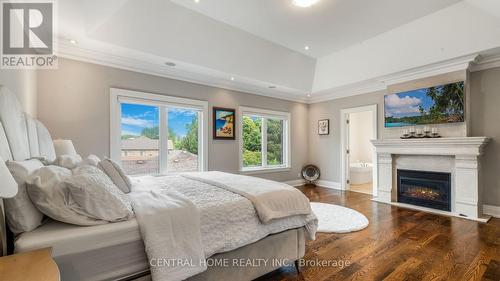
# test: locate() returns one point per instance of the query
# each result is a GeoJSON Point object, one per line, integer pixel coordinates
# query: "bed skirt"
{"type": "Point", "coordinates": [286, 246]}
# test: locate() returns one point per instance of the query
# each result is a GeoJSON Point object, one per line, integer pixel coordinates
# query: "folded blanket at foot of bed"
{"type": "Point", "coordinates": [170, 227]}
{"type": "Point", "coordinates": [272, 200]}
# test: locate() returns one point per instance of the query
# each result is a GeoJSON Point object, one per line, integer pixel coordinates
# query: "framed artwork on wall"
{"type": "Point", "coordinates": [324, 127]}
{"type": "Point", "coordinates": [224, 123]}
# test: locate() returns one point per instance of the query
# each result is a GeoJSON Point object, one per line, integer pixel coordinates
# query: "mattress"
{"type": "Point", "coordinates": [102, 252]}
{"type": "Point", "coordinates": [228, 221]}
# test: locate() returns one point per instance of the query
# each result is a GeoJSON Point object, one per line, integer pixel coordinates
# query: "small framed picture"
{"type": "Point", "coordinates": [224, 125]}
{"type": "Point", "coordinates": [324, 127]}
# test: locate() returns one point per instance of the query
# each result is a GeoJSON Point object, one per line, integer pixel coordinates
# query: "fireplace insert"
{"type": "Point", "coordinates": [426, 189]}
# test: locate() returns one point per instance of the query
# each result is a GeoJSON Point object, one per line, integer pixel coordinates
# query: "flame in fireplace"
{"type": "Point", "coordinates": [422, 193]}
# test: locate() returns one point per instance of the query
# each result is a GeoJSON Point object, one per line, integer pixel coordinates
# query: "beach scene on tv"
{"type": "Point", "coordinates": [434, 105]}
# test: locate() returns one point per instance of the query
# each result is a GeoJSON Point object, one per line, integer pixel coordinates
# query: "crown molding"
{"type": "Point", "coordinates": [381, 83]}
{"type": "Point", "coordinates": [486, 62]}
{"type": "Point", "coordinates": [456, 64]}
{"type": "Point", "coordinates": [148, 64]}
{"type": "Point", "coordinates": [364, 87]}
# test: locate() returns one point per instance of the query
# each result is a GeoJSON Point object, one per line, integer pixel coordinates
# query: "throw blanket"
{"type": "Point", "coordinates": [272, 200]}
{"type": "Point", "coordinates": [170, 227]}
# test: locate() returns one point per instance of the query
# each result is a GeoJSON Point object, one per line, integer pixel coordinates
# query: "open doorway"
{"type": "Point", "coordinates": [359, 169]}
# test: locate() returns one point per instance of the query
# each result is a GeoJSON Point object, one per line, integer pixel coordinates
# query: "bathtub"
{"type": "Point", "coordinates": [361, 173]}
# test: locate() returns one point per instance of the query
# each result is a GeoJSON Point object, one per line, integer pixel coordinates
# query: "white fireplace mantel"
{"type": "Point", "coordinates": [464, 154]}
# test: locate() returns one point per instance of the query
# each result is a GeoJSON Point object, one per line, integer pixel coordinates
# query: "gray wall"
{"type": "Point", "coordinates": [23, 83]}
{"type": "Point", "coordinates": [73, 102]}
{"type": "Point", "coordinates": [324, 150]}
{"type": "Point", "coordinates": [485, 121]}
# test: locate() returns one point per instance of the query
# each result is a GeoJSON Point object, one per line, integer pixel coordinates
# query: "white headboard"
{"type": "Point", "coordinates": [21, 137]}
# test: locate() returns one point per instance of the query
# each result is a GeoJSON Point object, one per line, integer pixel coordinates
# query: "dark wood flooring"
{"type": "Point", "coordinates": [399, 244]}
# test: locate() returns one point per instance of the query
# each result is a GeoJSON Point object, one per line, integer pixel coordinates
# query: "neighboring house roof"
{"type": "Point", "coordinates": [143, 143]}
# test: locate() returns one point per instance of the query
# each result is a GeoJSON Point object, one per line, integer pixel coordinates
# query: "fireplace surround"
{"type": "Point", "coordinates": [458, 156]}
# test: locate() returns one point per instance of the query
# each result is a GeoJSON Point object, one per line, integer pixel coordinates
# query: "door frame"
{"type": "Point", "coordinates": [344, 138]}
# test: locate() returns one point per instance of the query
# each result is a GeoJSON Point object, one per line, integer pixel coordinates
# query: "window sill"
{"type": "Point", "coordinates": [260, 170]}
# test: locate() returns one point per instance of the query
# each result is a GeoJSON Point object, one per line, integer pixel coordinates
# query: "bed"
{"type": "Point", "coordinates": [116, 251]}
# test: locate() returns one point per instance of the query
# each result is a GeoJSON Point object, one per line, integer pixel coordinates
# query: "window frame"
{"type": "Point", "coordinates": [266, 114]}
{"type": "Point", "coordinates": [119, 96]}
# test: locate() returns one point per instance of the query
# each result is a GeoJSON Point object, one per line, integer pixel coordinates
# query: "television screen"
{"type": "Point", "coordinates": [434, 105]}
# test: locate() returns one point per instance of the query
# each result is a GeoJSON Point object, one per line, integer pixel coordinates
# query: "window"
{"type": "Point", "coordinates": [156, 134]}
{"type": "Point", "coordinates": [264, 139]}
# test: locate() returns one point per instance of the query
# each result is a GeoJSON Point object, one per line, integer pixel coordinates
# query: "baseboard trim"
{"type": "Point", "coordinates": [491, 210]}
{"type": "Point", "coordinates": [329, 184]}
{"type": "Point", "coordinates": [295, 182]}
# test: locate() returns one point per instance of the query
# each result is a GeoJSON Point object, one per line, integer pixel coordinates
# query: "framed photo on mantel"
{"type": "Point", "coordinates": [324, 127]}
{"type": "Point", "coordinates": [224, 123]}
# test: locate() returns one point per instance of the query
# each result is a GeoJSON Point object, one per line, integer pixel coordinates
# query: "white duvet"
{"type": "Point", "coordinates": [227, 220]}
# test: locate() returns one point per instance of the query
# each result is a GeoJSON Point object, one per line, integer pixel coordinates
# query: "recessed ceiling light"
{"type": "Point", "coordinates": [304, 3]}
{"type": "Point", "coordinates": [73, 41]}
{"type": "Point", "coordinates": [306, 48]}
{"type": "Point", "coordinates": [232, 78]}
{"type": "Point", "coordinates": [171, 64]}
{"type": "Point", "coordinates": [308, 95]}
{"type": "Point", "coordinates": [272, 87]}
{"type": "Point", "coordinates": [197, 1]}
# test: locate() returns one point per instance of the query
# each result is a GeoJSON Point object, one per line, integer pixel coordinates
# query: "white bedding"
{"type": "Point", "coordinates": [228, 221]}
{"type": "Point", "coordinates": [170, 228]}
{"type": "Point", "coordinates": [272, 200]}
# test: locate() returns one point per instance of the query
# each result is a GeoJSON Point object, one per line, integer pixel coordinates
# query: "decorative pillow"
{"type": "Point", "coordinates": [95, 193]}
{"type": "Point", "coordinates": [116, 174]}
{"type": "Point", "coordinates": [68, 161]}
{"type": "Point", "coordinates": [21, 214]}
{"type": "Point", "coordinates": [91, 160]}
{"type": "Point", "coordinates": [48, 192]}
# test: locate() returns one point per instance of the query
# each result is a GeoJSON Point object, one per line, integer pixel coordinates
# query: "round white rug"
{"type": "Point", "coordinates": [338, 219]}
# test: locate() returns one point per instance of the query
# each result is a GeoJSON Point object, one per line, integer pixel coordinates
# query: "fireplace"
{"type": "Point", "coordinates": [426, 189]}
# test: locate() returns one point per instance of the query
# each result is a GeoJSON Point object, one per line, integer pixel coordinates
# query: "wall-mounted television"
{"type": "Point", "coordinates": [433, 105]}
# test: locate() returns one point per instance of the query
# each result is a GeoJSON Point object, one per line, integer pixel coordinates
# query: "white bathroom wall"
{"type": "Point", "coordinates": [360, 133]}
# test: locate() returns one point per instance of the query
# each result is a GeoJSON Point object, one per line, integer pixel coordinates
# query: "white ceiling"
{"type": "Point", "coordinates": [326, 27]}
{"type": "Point", "coordinates": [260, 43]}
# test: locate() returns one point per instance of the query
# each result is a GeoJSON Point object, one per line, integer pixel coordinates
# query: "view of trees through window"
{"type": "Point", "coordinates": [274, 142]}
{"type": "Point", "coordinates": [141, 139]}
{"type": "Point", "coordinates": [252, 141]}
{"type": "Point", "coordinates": [182, 140]}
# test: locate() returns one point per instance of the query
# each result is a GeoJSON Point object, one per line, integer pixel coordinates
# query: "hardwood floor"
{"type": "Point", "coordinates": [366, 188]}
{"type": "Point", "coordinates": [399, 244]}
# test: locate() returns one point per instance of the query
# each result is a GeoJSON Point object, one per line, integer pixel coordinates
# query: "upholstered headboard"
{"type": "Point", "coordinates": [21, 137]}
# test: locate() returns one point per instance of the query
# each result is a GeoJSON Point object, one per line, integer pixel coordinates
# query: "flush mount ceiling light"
{"type": "Point", "coordinates": [171, 64]}
{"type": "Point", "coordinates": [73, 41]}
{"type": "Point", "coordinates": [232, 78]}
{"type": "Point", "coordinates": [304, 3]}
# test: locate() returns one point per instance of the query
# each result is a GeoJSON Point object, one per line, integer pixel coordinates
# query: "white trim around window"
{"type": "Point", "coordinates": [118, 96]}
{"type": "Point", "coordinates": [264, 113]}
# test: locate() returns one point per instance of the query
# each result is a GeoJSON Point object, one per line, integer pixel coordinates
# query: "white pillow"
{"type": "Point", "coordinates": [91, 160]}
{"type": "Point", "coordinates": [48, 192]}
{"type": "Point", "coordinates": [21, 214]}
{"type": "Point", "coordinates": [95, 193]}
{"type": "Point", "coordinates": [116, 174]}
{"type": "Point", "coordinates": [68, 161]}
